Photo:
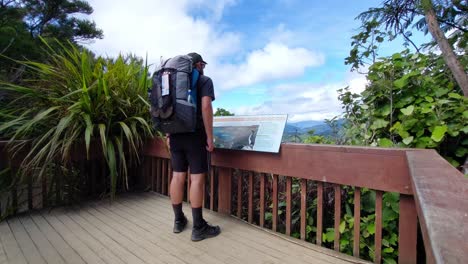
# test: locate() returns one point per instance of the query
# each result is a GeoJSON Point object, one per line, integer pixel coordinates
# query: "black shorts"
{"type": "Point", "coordinates": [189, 149]}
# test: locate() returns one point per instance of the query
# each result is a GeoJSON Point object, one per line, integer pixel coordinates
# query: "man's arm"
{"type": "Point", "coordinates": [207, 113]}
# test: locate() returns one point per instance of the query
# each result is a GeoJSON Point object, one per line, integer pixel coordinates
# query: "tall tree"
{"type": "Point", "coordinates": [23, 21]}
{"type": "Point", "coordinates": [397, 17]}
{"type": "Point", "coordinates": [447, 50]}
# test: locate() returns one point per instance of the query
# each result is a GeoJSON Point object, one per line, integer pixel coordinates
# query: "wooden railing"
{"type": "Point", "coordinates": [441, 192]}
{"type": "Point", "coordinates": [30, 192]}
{"type": "Point", "coordinates": [429, 189]}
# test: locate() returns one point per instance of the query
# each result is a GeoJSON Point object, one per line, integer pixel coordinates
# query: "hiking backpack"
{"type": "Point", "coordinates": [173, 96]}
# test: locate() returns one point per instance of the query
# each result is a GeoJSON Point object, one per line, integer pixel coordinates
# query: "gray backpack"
{"type": "Point", "coordinates": [173, 96]}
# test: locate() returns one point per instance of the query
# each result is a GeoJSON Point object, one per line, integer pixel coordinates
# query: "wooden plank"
{"type": "Point", "coordinates": [303, 208]}
{"type": "Point", "coordinates": [441, 196]}
{"type": "Point", "coordinates": [163, 176]}
{"type": "Point", "coordinates": [224, 191]}
{"type": "Point", "coordinates": [155, 223]}
{"type": "Point", "coordinates": [30, 191]}
{"type": "Point", "coordinates": [212, 189]}
{"type": "Point", "coordinates": [288, 205]}
{"type": "Point", "coordinates": [121, 245]}
{"type": "Point", "coordinates": [58, 185]}
{"type": "Point", "coordinates": [153, 173]}
{"type": "Point", "coordinates": [275, 203]}
{"type": "Point", "coordinates": [46, 250]}
{"type": "Point", "coordinates": [104, 252]}
{"type": "Point", "coordinates": [357, 221]}
{"type": "Point", "coordinates": [227, 238]}
{"type": "Point", "coordinates": [3, 257]}
{"type": "Point", "coordinates": [318, 240]}
{"type": "Point", "coordinates": [56, 240]}
{"type": "Point", "coordinates": [93, 176]}
{"type": "Point", "coordinates": [364, 167]}
{"type": "Point", "coordinates": [407, 230]}
{"type": "Point", "coordinates": [251, 193]}
{"type": "Point", "coordinates": [262, 199]}
{"type": "Point", "coordinates": [158, 175]}
{"type": "Point", "coordinates": [10, 245]}
{"type": "Point", "coordinates": [87, 253]}
{"type": "Point", "coordinates": [279, 245]}
{"type": "Point", "coordinates": [14, 197]}
{"type": "Point", "coordinates": [27, 246]}
{"type": "Point", "coordinates": [336, 241]}
{"type": "Point", "coordinates": [169, 177]}
{"type": "Point", "coordinates": [239, 195]}
{"type": "Point", "coordinates": [136, 234]}
{"type": "Point", "coordinates": [151, 226]}
{"type": "Point", "coordinates": [378, 227]}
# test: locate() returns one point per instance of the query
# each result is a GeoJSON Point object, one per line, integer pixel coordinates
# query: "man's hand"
{"type": "Point", "coordinates": [209, 145]}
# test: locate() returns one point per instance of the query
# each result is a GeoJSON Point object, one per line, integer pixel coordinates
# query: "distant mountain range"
{"type": "Point", "coordinates": [300, 129]}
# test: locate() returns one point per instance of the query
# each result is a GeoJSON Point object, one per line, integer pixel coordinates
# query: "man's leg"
{"type": "Point", "coordinates": [197, 182]}
{"type": "Point", "coordinates": [177, 187]}
{"type": "Point", "coordinates": [201, 229]}
{"type": "Point", "coordinates": [177, 195]}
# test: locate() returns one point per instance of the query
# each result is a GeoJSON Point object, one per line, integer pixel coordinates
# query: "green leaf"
{"type": "Point", "coordinates": [379, 123]}
{"type": "Point", "coordinates": [385, 110]}
{"type": "Point", "coordinates": [461, 152]}
{"type": "Point", "coordinates": [385, 243]}
{"type": "Point", "coordinates": [385, 142]}
{"type": "Point", "coordinates": [400, 83]}
{"type": "Point", "coordinates": [388, 250]}
{"type": "Point", "coordinates": [408, 110]}
{"type": "Point", "coordinates": [465, 114]}
{"type": "Point", "coordinates": [408, 140]}
{"type": "Point", "coordinates": [429, 99]}
{"type": "Point", "coordinates": [438, 133]}
{"type": "Point", "coordinates": [389, 261]}
{"type": "Point", "coordinates": [455, 96]}
{"type": "Point", "coordinates": [342, 226]}
{"type": "Point", "coordinates": [371, 228]}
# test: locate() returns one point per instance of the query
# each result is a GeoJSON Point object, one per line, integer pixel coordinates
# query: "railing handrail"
{"type": "Point", "coordinates": [441, 196]}
{"type": "Point", "coordinates": [381, 169]}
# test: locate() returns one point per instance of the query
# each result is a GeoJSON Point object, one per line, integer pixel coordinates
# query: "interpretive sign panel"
{"type": "Point", "coordinates": [255, 133]}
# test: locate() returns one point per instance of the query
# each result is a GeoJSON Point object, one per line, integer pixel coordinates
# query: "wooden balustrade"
{"type": "Point", "coordinates": [429, 189]}
{"type": "Point", "coordinates": [381, 170]}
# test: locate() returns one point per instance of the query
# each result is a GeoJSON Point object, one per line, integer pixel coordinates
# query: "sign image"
{"type": "Point", "coordinates": [255, 133]}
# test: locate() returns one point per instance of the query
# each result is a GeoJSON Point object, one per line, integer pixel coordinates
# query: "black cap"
{"type": "Point", "coordinates": [196, 57]}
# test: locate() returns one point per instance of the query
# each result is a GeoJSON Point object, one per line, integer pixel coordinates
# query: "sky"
{"type": "Point", "coordinates": [264, 56]}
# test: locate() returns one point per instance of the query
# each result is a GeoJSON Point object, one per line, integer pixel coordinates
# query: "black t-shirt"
{"type": "Point", "coordinates": [204, 88]}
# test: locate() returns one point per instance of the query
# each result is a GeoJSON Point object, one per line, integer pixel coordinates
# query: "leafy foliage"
{"type": "Point", "coordinates": [410, 101]}
{"type": "Point", "coordinates": [23, 21]}
{"type": "Point", "coordinates": [77, 100]}
{"type": "Point", "coordinates": [394, 18]}
{"type": "Point", "coordinates": [222, 112]}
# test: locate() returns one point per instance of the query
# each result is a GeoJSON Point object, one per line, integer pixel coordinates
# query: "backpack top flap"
{"type": "Point", "coordinates": [181, 63]}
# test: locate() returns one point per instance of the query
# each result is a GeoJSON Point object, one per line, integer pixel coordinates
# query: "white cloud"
{"type": "Point", "coordinates": [161, 28]}
{"type": "Point", "coordinates": [305, 101]}
{"type": "Point", "coordinates": [275, 61]}
{"type": "Point", "coordinates": [166, 28]}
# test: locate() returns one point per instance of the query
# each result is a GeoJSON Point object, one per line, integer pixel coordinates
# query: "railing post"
{"type": "Point", "coordinates": [407, 237]}
{"type": "Point", "coordinates": [224, 191]}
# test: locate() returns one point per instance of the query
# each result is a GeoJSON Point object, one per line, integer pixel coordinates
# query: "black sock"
{"type": "Point", "coordinates": [197, 217]}
{"type": "Point", "coordinates": [179, 215]}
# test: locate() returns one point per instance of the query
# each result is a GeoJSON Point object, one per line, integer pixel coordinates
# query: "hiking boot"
{"type": "Point", "coordinates": [206, 231]}
{"type": "Point", "coordinates": [179, 225]}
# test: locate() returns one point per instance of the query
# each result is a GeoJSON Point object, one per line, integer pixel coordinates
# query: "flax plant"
{"type": "Point", "coordinates": [75, 99]}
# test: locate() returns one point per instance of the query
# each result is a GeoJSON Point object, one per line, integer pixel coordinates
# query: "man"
{"type": "Point", "coordinates": [191, 150]}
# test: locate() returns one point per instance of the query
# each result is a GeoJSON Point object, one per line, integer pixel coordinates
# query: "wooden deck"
{"type": "Point", "coordinates": [137, 228]}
